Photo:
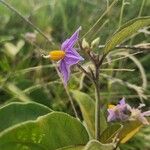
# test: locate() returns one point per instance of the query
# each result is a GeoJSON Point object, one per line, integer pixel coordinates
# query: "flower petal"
{"type": "Point", "coordinates": [146, 113]}
{"type": "Point", "coordinates": [72, 57]}
{"type": "Point", "coordinates": [121, 116]}
{"type": "Point", "coordinates": [69, 43]}
{"type": "Point", "coordinates": [122, 101]}
{"type": "Point", "coordinates": [143, 120]}
{"type": "Point", "coordinates": [65, 71]}
{"type": "Point", "coordinates": [64, 45]}
{"type": "Point", "coordinates": [111, 116]}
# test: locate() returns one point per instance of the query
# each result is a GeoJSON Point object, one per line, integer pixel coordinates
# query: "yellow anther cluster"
{"type": "Point", "coordinates": [57, 55]}
{"type": "Point", "coordinates": [111, 106]}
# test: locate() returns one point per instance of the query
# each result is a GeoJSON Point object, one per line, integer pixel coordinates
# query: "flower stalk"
{"type": "Point", "coordinates": [97, 61]}
{"type": "Point", "coordinates": [98, 104]}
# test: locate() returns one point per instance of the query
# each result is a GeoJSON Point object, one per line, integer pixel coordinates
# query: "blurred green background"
{"type": "Point", "coordinates": [26, 76]}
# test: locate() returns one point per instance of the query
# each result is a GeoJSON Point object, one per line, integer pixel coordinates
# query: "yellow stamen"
{"type": "Point", "coordinates": [111, 106]}
{"type": "Point", "coordinates": [57, 55]}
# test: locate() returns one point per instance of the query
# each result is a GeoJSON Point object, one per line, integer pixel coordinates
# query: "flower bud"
{"type": "Point", "coordinates": [95, 42]}
{"type": "Point", "coordinates": [85, 44]}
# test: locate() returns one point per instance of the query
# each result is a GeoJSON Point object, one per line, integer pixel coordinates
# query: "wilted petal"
{"type": "Point", "coordinates": [123, 117]}
{"type": "Point", "coordinates": [143, 120]}
{"type": "Point", "coordinates": [69, 43]}
{"type": "Point", "coordinates": [129, 108]}
{"type": "Point", "coordinates": [65, 71]}
{"type": "Point", "coordinates": [146, 113]}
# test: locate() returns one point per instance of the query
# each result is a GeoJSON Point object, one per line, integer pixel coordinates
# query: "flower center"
{"type": "Point", "coordinates": [57, 55]}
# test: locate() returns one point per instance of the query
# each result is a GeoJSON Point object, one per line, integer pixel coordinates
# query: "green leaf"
{"type": "Point", "coordinates": [110, 133]}
{"type": "Point", "coordinates": [95, 145]}
{"type": "Point", "coordinates": [91, 145]}
{"type": "Point", "coordinates": [126, 31]}
{"type": "Point", "coordinates": [87, 106]}
{"type": "Point", "coordinates": [12, 49]}
{"type": "Point", "coordinates": [49, 132]}
{"type": "Point", "coordinates": [129, 130]}
{"type": "Point", "coordinates": [14, 113]}
{"type": "Point", "coordinates": [72, 148]}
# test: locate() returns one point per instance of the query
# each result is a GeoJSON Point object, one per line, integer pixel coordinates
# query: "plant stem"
{"type": "Point", "coordinates": [97, 106]}
{"type": "Point", "coordinates": [71, 102]}
{"type": "Point", "coordinates": [84, 71]}
{"type": "Point", "coordinates": [68, 94]}
{"type": "Point", "coordinates": [141, 8]}
{"type": "Point", "coordinates": [121, 13]}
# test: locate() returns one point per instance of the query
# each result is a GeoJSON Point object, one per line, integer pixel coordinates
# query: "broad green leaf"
{"type": "Point", "coordinates": [129, 130]}
{"type": "Point", "coordinates": [16, 112]}
{"type": "Point", "coordinates": [91, 145]}
{"type": "Point", "coordinates": [126, 31]}
{"type": "Point", "coordinates": [49, 132]}
{"type": "Point", "coordinates": [110, 133]}
{"type": "Point", "coordinates": [87, 106]}
{"type": "Point", "coordinates": [95, 145]}
{"type": "Point", "coordinates": [72, 148]}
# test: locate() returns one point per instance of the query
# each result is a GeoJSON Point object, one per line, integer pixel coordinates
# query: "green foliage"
{"type": "Point", "coordinates": [126, 31]}
{"type": "Point", "coordinates": [15, 113]}
{"type": "Point", "coordinates": [12, 50]}
{"type": "Point", "coordinates": [25, 76]}
{"type": "Point", "coordinates": [72, 148]}
{"type": "Point", "coordinates": [111, 133]}
{"type": "Point", "coordinates": [91, 145]}
{"type": "Point", "coordinates": [49, 132]}
{"type": "Point", "coordinates": [95, 145]}
{"type": "Point", "coordinates": [87, 106]}
{"type": "Point", "coordinates": [129, 130]}
{"type": "Point", "coordinates": [140, 141]}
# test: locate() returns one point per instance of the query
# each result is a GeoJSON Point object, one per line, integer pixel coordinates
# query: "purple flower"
{"type": "Point", "coordinates": [71, 57]}
{"type": "Point", "coordinates": [137, 114]}
{"type": "Point", "coordinates": [67, 56]}
{"type": "Point", "coordinates": [118, 112]}
{"type": "Point", "coordinates": [124, 112]}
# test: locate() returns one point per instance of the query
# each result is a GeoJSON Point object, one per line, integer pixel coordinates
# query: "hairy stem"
{"type": "Point", "coordinates": [84, 71]}
{"type": "Point", "coordinates": [97, 106]}
{"type": "Point", "coordinates": [68, 94]}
